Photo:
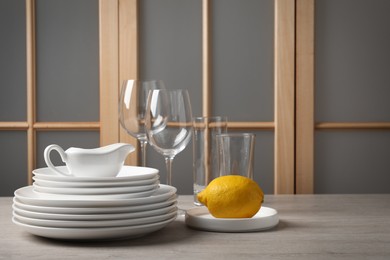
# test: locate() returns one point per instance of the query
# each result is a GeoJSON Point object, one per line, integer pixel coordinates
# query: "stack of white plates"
{"type": "Point", "coordinates": [129, 205]}
{"type": "Point", "coordinates": [131, 182]}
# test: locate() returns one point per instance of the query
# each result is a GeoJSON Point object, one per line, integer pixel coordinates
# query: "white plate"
{"type": "Point", "coordinates": [95, 191]}
{"type": "Point", "coordinates": [94, 223]}
{"type": "Point", "coordinates": [85, 184]}
{"type": "Point", "coordinates": [132, 195]}
{"type": "Point", "coordinates": [98, 216]}
{"type": "Point", "coordinates": [28, 196]}
{"type": "Point", "coordinates": [200, 218]}
{"type": "Point", "coordinates": [128, 173]}
{"type": "Point", "coordinates": [95, 210]}
{"type": "Point", "coordinates": [94, 233]}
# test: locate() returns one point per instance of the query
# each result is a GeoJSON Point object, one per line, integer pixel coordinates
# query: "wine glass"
{"type": "Point", "coordinates": [132, 107]}
{"type": "Point", "coordinates": [168, 123]}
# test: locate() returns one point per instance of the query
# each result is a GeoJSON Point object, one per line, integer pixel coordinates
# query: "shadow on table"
{"type": "Point", "coordinates": [174, 232]}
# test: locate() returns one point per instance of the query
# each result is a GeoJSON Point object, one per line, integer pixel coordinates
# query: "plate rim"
{"type": "Point", "coordinates": [88, 210]}
{"type": "Point", "coordinates": [93, 216]}
{"type": "Point", "coordinates": [91, 233]}
{"type": "Point", "coordinates": [94, 223]}
{"type": "Point", "coordinates": [96, 191]}
{"type": "Point", "coordinates": [153, 172]}
{"type": "Point", "coordinates": [50, 201]}
{"type": "Point", "coordinates": [86, 184]}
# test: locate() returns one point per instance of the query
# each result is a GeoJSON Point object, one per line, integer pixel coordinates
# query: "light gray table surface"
{"type": "Point", "coordinates": [310, 227]}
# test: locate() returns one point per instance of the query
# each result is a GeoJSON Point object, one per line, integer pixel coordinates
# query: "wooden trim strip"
{"type": "Point", "coordinates": [353, 125]}
{"type": "Point", "coordinates": [284, 79]}
{"type": "Point", "coordinates": [251, 125]}
{"type": "Point", "coordinates": [66, 126]}
{"type": "Point", "coordinates": [206, 57]}
{"type": "Point", "coordinates": [304, 146]}
{"type": "Point", "coordinates": [128, 62]}
{"type": "Point", "coordinates": [206, 78]}
{"type": "Point", "coordinates": [108, 71]}
{"type": "Point", "coordinates": [31, 87]}
{"type": "Point", "coordinates": [4, 126]}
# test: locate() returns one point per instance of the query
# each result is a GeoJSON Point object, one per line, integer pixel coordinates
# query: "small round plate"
{"type": "Point", "coordinates": [200, 218]}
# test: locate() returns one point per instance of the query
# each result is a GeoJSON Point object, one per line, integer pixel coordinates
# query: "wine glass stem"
{"type": "Point", "coordinates": [168, 163]}
{"type": "Point", "coordinates": [143, 144]}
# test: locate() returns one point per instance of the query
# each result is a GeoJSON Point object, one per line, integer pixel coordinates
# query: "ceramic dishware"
{"type": "Point", "coordinates": [105, 161]}
{"type": "Point", "coordinates": [126, 174]}
{"type": "Point", "coordinates": [200, 218]}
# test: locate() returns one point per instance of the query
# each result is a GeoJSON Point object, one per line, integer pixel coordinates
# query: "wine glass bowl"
{"type": "Point", "coordinates": [132, 107]}
{"type": "Point", "coordinates": [168, 123]}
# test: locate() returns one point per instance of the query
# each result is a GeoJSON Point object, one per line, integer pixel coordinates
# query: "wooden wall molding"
{"type": "Point", "coordinates": [284, 80]}
{"type": "Point", "coordinates": [304, 143]}
{"type": "Point", "coordinates": [128, 63]}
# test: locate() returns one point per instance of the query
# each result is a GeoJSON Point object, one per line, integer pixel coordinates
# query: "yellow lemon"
{"type": "Point", "coordinates": [232, 196]}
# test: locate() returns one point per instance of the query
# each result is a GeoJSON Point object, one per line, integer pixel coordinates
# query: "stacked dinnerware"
{"type": "Point", "coordinates": [131, 182]}
{"type": "Point", "coordinates": [131, 204]}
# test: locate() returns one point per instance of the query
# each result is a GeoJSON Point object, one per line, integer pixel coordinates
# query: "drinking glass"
{"type": "Point", "coordinates": [132, 107]}
{"type": "Point", "coordinates": [205, 156]}
{"type": "Point", "coordinates": [235, 154]}
{"type": "Point", "coordinates": [168, 123]}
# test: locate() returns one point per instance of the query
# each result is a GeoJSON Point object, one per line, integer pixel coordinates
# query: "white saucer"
{"type": "Point", "coordinates": [28, 196]}
{"type": "Point", "coordinates": [86, 184]}
{"type": "Point", "coordinates": [96, 216]}
{"type": "Point", "coordinates": [95, 210]}
{"type": "Point", "coordinates": [94, 223]}
{"type": "Point", "coordinates": [128, 173]}
{"type": "Point", "coordinates": [95, 191]}
{"type": "Point", "coordinates": [200, 218]}
{"type": "Point", "coordinates": [94, 233]}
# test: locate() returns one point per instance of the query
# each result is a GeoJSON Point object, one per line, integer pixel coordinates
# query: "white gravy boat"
{"type": "Point", "coordinates": [105, 161]}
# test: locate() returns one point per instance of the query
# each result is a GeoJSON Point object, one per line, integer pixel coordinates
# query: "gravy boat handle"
{"type": "Point", "coordinates": [46, 155]}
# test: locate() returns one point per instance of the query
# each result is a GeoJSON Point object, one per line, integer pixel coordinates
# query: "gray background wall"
{"type": "Point", "coordinates": [352, 61]}
{"type": "Point", "coordinates": [352, 85]}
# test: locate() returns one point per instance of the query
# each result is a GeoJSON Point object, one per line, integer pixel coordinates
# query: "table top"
{"type": "Point", "coordinates": [310, 227]}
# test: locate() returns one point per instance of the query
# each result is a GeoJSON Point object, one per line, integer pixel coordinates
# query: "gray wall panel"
{"type": "Point", "coordinates": [67, 60]}
{"type": "Point", "coordinates": [170, 45]}
{"type": "Point", "coordinates": [242, 52]}
{"type": "Point", "coordinates": [13, 162]}
{"type": "Point", "coordinates": [352, 60]}
{"type": "Point", "coordinates": [13, 95]}
{"type": "Point", "coordinates": [352, 84]}
{"type": "Point", "coordinates": [352, 162]}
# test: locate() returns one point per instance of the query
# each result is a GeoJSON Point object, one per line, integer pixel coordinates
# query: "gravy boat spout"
{"type": "Point", "coordinates": [116, 152]}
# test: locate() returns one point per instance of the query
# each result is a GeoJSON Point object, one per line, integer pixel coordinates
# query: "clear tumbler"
{"type": "Point", "coordinates": [205, 166]}
{"type": "Point", "coordinates": [235, 154]}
